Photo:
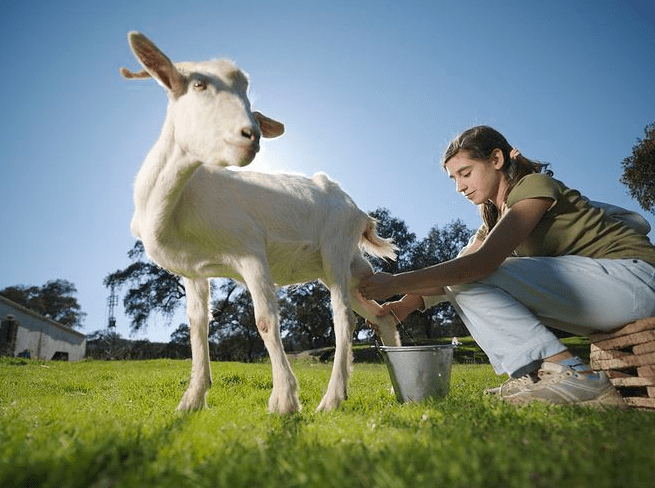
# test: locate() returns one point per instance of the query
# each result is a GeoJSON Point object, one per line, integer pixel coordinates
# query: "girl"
{"type": "Point", "coordinates": [544, 256]}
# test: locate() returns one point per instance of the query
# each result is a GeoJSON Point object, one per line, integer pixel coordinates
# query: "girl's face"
{"type": "Point", "coordinates": [479, 181]}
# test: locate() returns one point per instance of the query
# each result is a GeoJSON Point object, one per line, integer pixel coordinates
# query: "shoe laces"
{"type": "Point", "coordinates": [521, 382]}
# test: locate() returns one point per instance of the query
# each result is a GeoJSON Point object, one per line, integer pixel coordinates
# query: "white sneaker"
{"type": "Point", "coordinates": [513, 385]}
{"type": "Point", "coordinates": [560, 384]}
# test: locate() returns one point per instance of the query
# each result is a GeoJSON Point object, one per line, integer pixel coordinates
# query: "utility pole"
{"type": "Point", "coordinates": [112, 301]}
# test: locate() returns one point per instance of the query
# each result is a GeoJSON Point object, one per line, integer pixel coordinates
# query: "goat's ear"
{"type": "Point", "coordinates": [269, 127]}
{"type": "Point", "coordinates": [132, 75]}
{"type": "Point", "coordinates": [157, 64]}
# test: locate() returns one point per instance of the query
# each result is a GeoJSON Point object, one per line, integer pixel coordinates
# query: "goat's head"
{"type": "Point", "coordinates": [208, 105]}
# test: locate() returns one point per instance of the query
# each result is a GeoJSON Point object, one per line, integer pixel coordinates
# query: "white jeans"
{"type": "Point", "coordinates": [506, 313]}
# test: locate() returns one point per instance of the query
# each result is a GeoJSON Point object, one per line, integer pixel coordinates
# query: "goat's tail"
{"type": "Point", "coordinates": [375, 245]}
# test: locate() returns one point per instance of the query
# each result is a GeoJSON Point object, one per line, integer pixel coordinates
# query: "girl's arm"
{"type": "Point", "coordinates": [512, 229]}
{"type": "Point", "coordinates": [410, 303]}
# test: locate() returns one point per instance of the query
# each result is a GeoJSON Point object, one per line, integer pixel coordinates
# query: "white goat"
{"type": "Point", "coordinates": [199, 220]}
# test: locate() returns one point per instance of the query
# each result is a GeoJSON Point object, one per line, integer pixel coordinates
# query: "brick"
{"type": "Point", "coordinates": [633, 381]}
{"type": "Point", "coordinates": [630, 348]}
{"type": "Point", "coordinates": [640, 402]}
{"type": "Point", "coordinates": [647, 371]}
{"type": "Point", "coordinates": [629, 361]}
{"type": "Point", "coordinates": [638, 326]}
{"type": "Point", "coordinates": [627, 340]}
{"type": "Point", "coordinates": [613, 373]}
{"type": "Point", "coordinates": [601, 354]}
{"type": "Point", "coordinates": [644, 348]}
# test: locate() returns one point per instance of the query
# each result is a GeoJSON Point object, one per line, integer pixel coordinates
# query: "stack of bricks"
{"type": "Point", "coordinates": [627, 355]}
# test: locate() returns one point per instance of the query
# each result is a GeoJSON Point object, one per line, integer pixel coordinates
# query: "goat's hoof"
{"type": "Point", "coordinates": [284, 403]}
{"type": "Point", "coordinates": [190, 403]}
{"type": "Point", "coordinates": [330, 402]}
{"type": "Point", "coordinates": [191, 407]}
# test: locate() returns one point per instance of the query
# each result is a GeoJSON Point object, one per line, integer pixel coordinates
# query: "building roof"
{"type": "Point", "coordinates": [26, 310]}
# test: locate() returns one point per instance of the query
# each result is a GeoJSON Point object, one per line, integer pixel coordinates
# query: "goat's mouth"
{"type": "Point", "coordinates": [246, 147]}
{"type": "Point", "coordinates": [244, 153]}
{"type": "Point", "coordinates": [245, 144]}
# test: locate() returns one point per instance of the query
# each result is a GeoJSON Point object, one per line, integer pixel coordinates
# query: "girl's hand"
{"type": "Point", "coordinates": [377, 286]}
{"type": "Point", "coordinates": [398, 309]}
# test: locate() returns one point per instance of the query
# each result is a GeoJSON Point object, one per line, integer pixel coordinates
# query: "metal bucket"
{"type": "Point", "coordinates": [418, 372]}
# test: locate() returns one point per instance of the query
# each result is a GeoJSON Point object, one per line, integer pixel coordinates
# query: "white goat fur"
{"type": "Point", "coordinates": [199, 221]}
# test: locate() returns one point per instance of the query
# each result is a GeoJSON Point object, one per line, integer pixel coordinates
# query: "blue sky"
{"type": "Point", "coordinates": [371, 92]}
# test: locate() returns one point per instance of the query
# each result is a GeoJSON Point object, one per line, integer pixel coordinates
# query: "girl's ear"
{"type": "Point", "coordinates": [497, 159]}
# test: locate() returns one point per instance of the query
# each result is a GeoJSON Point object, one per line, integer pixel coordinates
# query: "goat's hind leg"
{"type": "Point", "coordinates": [338, 277]}
{"type": "Point", "coordinates": [197, 295]}
{"type": "Point", "coordinates": [344, 324]}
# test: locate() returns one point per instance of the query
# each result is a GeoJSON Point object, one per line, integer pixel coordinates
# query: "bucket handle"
{"type": "Point", "coordinates": [455, 343]}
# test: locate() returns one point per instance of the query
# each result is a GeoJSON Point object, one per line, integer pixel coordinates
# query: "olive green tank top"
{"type": "Point", "coordinates": [572, 226]}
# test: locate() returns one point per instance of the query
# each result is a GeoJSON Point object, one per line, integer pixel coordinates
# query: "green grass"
{"type": "Point", "coordinates": [105, 424]}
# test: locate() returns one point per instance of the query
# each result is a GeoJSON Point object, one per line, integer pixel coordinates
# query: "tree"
{"type": "Point", "coordinates": [105, 344]}
{"type": "Point", "coordinates": [440, 244]}
{"type": "Point", "coordinates": [181, 336]}
{"type": "Point", "coordinates": [306, 316]}
{"type": "Point", "coordinates": [639, 170]}
{"type": "Point", "coordinates": [152, 289]}
{"type": "Point", "coordinates": [232, 328]}
{"type": "Point", "coordinates": [55, 300]}
{"type": "Point", "coordinates": [405, 240]}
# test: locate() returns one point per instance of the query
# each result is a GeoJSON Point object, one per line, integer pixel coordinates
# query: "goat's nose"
{"type": "Point", "coordinates": [249, 133]}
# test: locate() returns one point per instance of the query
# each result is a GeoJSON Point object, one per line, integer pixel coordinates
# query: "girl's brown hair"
{"type": "Point", "coordinates": [480, 142]}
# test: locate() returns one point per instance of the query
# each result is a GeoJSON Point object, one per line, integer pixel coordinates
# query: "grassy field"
{"type": "Point", "coordinates": [106, 424]}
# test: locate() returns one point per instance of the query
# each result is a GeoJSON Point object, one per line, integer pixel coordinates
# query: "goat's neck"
{"type": "Point", "coordinates": [160, 183]}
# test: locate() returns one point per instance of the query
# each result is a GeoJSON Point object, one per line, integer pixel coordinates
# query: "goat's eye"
{"type": "Point", "coordinates": [199, 85]}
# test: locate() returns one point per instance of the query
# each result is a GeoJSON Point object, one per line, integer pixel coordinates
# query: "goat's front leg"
{"type": "Point", "coordinates": [197, 295]}
{"type": "Point", "coordinates": [344, 324]}
{"type": "Point", "coordinates": [284, 397]}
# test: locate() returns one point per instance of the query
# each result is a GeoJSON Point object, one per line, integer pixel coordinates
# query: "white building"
{"type": "Point", "coordinates": [26, 333]}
